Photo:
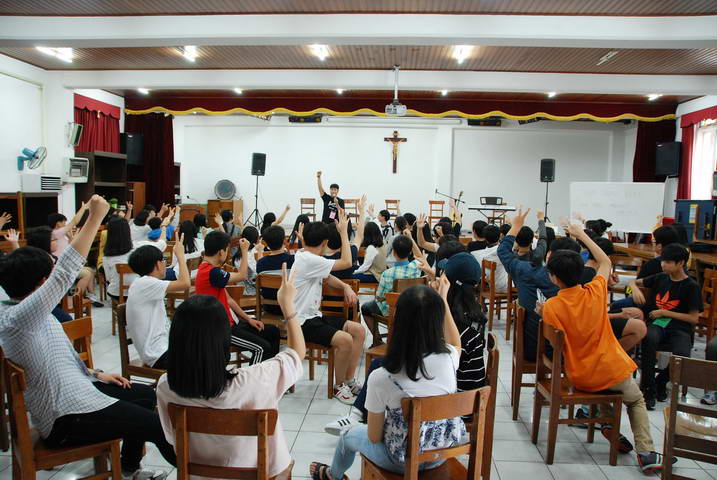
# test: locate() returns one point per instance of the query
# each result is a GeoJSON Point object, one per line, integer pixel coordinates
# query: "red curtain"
{"type": "Point", "coordinates": [649, 134]}
{"type": "Point", "coordinates": [158, 154]}
{"type": "Point", "coordinates": [687, 123]}
{"type": "Point", "coordinates": [101, 132]}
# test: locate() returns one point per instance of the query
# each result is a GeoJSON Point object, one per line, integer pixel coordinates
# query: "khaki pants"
{"type": "Point", "coordinates": [636, 411]}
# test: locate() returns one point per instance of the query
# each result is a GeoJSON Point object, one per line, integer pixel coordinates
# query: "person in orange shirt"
{"type": "Point", "coordinates": [594, 359]}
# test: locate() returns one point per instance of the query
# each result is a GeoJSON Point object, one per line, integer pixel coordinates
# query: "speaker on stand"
{"type": "Point", "coordinates": [547, 176]}
{"type": "Point", "coordinates": [258, 169]}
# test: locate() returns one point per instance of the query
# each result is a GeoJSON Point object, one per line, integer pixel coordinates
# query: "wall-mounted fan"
{"type": "Point", "coordinates": [34, 158]}
{"type": "Point", "coordinates": [225, 190]}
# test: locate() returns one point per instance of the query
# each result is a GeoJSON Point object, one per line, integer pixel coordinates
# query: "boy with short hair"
{"type": "Point", "coordinates": [594, 360]}
{"type": "Point", "coordinates": [332, 202]}
{"type": "Point", "coordinates": [61, 227]}
{"type": "Point", "coordinates": [478, 242]}
{"type": "Point", "coordinates": [146, 313]}
{"type": "Point", "coordinates": [311, 271]}
{"type": "Point", "coordinates": [272, 260]}
{"type": "Point", "coordinates": [490, 253]}
{"type": "Point", "coordinates": [672, 310]}
{"type": "Point", "coordinates": [247, 333]}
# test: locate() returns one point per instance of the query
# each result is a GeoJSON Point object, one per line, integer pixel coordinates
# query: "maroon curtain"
{"type": "Point", "coordinates": [100, 132]}
{"type": "Point", "coordinates": [649, 134]}
{"type": "Point", "coordinates": [158, 154]}
{"type": "Point", "coordinates": [684, 185]}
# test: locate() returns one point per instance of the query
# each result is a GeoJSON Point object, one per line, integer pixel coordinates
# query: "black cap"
{"type": "Point", "coordinates": [461, 267]}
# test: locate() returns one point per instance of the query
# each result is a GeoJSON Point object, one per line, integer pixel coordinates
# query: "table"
{"type": "Point", "coordinates": [497, 212]}
{"type": "Point", "coordinates": [647, 251]}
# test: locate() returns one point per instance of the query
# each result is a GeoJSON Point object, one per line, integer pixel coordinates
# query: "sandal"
{"type": "Point", "coordinates": [320, 471]}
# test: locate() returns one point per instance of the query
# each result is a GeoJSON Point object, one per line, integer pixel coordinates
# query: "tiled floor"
{"type": "Point", "coordinates": [304, 414]}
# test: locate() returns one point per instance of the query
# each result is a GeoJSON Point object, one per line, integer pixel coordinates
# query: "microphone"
{"type": "Point", "coordinates": [192, 199]}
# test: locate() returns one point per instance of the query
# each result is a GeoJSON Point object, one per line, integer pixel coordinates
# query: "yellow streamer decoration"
{"type": "Point", "coordinates": [368, 111]}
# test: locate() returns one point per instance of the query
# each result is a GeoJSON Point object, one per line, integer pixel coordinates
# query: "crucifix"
{"type": "Point", "coordinates": [395, 140]}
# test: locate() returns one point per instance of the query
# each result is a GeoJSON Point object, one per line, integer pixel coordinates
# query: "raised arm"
{"type": "Point", "coordinates": [243, 272]}
{"type": "Point", "coordinates": [76, 219]}
{"type": "Point", "coordinates": [318, 182]}
{"type": "Point", "coordinates": [450, 331]}
{"type": "Point", "coordinates": [361, 222]}
{"type": "Point", "coordinates": [282, 216]}
{"type": "Point", "coordinates": [345, 261]}
{"type": "Point", "coordinates": [604, 266]}
{"type": "Point", "coordinates": [541, 249]}
{"type": "Point", "coordinates": [420, 223]}
{"type": "Point", "coordinates": [184, 281]}
{"type": "Point", "coordinates": [286, 296]}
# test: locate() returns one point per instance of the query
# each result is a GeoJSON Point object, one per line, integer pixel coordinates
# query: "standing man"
{"type": "Point", "coordinates": [332, 202]}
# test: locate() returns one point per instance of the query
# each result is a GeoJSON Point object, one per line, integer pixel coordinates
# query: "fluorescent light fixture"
{"type": "Point", "coordinates": [143, 91]}
{"type": "Point", "coordinates": [461, 52]}
{"type": "Point", "coordinates": [321, 51]}
{"type": "Point", "coordinates": [340, 91]}
{"type": "Point", "coordinates": [551, 94]}
{"type": "Point", "coordinates": [607, 57]}
{"type": "Point", "coordinates": [444, 92]}
{"type": "Point", "coordinates": [190, 52]}
{"type": "Point", "coordinates": [64, 54]}
{"type": "Point", "coordinates": [238, 91]}
{"type": "Point", "coordinates": [654, 96]}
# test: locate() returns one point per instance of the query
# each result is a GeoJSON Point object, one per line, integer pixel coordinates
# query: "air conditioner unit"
{"type": "Point", "coordinates": [32, 183]}
{"type": "Point", "coordinates": [75, 170]}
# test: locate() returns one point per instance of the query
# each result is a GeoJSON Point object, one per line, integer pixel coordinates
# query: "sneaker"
{"type": "Point", "coordinates": [710, 398]}
{"type": "Point", "coordinates": [650, 462]}
{"type": "Point", "coordinates": [145, 475]}
{"type": "Point", "coordinates": [343, 394]}
{"type": "Point", "coordinates": [623, 444]}
{"type": "Point", "coordinates": [355, 387]}
{"type": "Point", "coordinates": [581, 413]}
{"type": "Point", "coordinates": [344, 423]}
{"type": "Point", "coordinates": [650, 402]}
{"type": "Point", "coordinates": [661, 391]}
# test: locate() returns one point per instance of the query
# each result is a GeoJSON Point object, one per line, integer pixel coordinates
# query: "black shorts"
{"type": "Point", "coordinates": [321, 330]}
{"type": "Point", "coordinates": [618, 326]}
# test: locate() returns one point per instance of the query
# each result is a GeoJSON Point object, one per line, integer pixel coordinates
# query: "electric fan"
{"type": "Point", "coordinates": [225, 190]}
{"type": "Point", "coordinates": [33, 158]}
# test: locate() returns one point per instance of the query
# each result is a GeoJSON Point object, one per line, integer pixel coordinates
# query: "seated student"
{"type": "Point", "coordinates": [504, 229]}
{"type": "Point", "coordinates": [139, 228]}
{"type": "Point", "coordinates": [478, 242]}
{"type": "Point", "coordinates": [200, 221]}
{"type": "Point", "coordinates": [113, 213]}
{"type": "Point", "coordinates": [333, 252]}
{"type": "Point", "coordinates": [69, 404]}
{"type": "Point", "coordinates": [270, 219]}
{"type": "Point", "coordinates": [490, 253]}
{"type": "Point", "coordinates": [156, 236]}
{"type": "Point", "coordinates": [146, 314]}
{"type": "Point", "coordinates": [61, 228]}
{"type": "Point", "coordinates": [524, 239]}
{"type": "Point", "coordinates": [256, 248]}
{"type": "Point", "coordinates": [399, 226]}
{"type": "Point", "coordinates": [411, 220]}
{"type": "Point", "coordinates": [231, 227]}
{"type": "Point", "coordinates": [594, 360]}
{"type": "Point", "coordinates": [368, 236]}
{"type": "Point", "coordinates": [301, 222]}
{"type": "Point", "coordinates": [402, 268]}
{"type": "Point", "coordinates": [272, 261]}
{"type": "Point", "coordinates": [250, 334]}
{"type": "Point", "coordinates": [346, 336]}
{"type": "Point", "coordinates": [422, 358]}
{"type": "Point", "coordinates": [155, 224]}
{"type": "Point", "coordinates": [193, 248]}
{"type": "Point", "coordinates": [382, 220]}
{"type": "Point", "coordinates": [529, 278]}
{"type": "Point", "coordinates": [117, 250]}
{"type": "Point", "coordinates": [672, 310]}
{"type": "Point", "coordinates": [197, 376]}
{"type": "Point", "coordinates": [598, 227]}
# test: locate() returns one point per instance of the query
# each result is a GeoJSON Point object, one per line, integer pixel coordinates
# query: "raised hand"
{"type": "Point", "coordinates": [519, 219]}
{"type": "Point", "coordinates": [421, 221]}
{"type": "Point", "coordinates": [318, 174]}
{"type": "Point", "coordinates": [540, 214]}
{"type": "Point", "coordinates": [575, 230]}
{"type": "Point", "coordinates": [287, 292]}
{"type": "Point", "coordinates": [218, 218]}
{"type": "Point", "coordinates": [300, 233]}
{"type": "Point", "coordinates": [97, 206]}
{"type": "Point", "coordinates": [179, 246]}
{"type": "Point", "coordinates": [5, 218]}
{"type": "Point", "coordinates": [244, 246]}
{"type": "Point", "coordinates": [362, 202]}
{"type": "Point", "coordinates": [371, 210]}
{"type": "Point", "coordinates": [287, 208]}
{"type": "Point", "coordinates": [12, 236]}
{"type": "Point", "coordinates": [343, 222]}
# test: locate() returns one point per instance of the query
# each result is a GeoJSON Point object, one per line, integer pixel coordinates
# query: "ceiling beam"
{"type": "Point", "coordinates": [692, 85]}
{"type": "Point", "coordinates": [362, 29]}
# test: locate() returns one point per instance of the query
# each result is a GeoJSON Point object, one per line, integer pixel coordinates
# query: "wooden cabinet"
{"type": "Point", "coordinates": [136, 195]}
{"type": "Point", "coordinates": [107, 177]}
{"type": "Point", "coordinates": [189, 211]}
{"type": "Point", "coordinates": [29, 210]}
{"type": "Point", "coordinates": [214, 206]}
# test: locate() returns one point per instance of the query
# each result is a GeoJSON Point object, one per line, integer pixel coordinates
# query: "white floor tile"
{"type": "Point", "coordinates": [515, 470]}
{"type": "Point", "coordinates": [515, 451]}
{"type": "Point", "coordinates": [566, 471]}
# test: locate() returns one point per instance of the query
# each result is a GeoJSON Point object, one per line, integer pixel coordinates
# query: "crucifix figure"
{"type": "Point", "coordinates": [395, 140]}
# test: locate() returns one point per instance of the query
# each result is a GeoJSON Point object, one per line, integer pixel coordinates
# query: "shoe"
{"type": "Point", "coordinates": [343, 394]}
{"type": "Point", "coordinates": [651, 462]}
{"type": "Point", "coordinates": [710, 398]}
{"type": "Point", "coordinates": [661, 391]}
{"type": "Point", "coordinates": [623, 444]}
{"type": "Point", "coordinates": [145, 475]}
{"type": "Point", "coordinates": [650, 402]}
{"type": "Point", "coordinates": [355, 387]}
{"type": "Point", "coordinates": [581, 413]}
{"type": "Point", "coordinates": [344, 423]}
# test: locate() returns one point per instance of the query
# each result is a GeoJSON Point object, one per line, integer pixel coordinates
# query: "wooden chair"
{"type": "Point", "coordinates": [554, 390]}
{"type": "Point", "coordinates": [79, 332]}
{"type": "Point", "coordinates": [417, 410]}
{"type": "Point", "coordinates": [399, 285]}
{"type": "Point", "coordinates": [509, 319]}
{"type": "Point", "coordinates": [246, 302]}
{"type": "Point", "coordinates": [491, 370]}
{"type": "Point", "coordinates": [308, 208]}
{"type": "Point", "coordinates": [77, 305]}
{"type": "Point", "coordinates": [30, 457]}
{"type": "Point", "coordinates": [435, 211]}
{"type": "Point", "coordinates": [707, 322]}
{"type": "Point", "coordinates": [132, 367]}
{"type": "Point", "coordinates": [520, 365]}
{"type": "Point", "coordinates": [314, 351]}
{"type": "Point", "coordinates": [122, 270]}
{"type": "Point", "coordinates": [173, 297]}
{"type": "Point", "coordinates": [4, 419]}
{"type": "Point", "coordinates": [688, 372]}
{"type": "Point", "coordinates": [393, 207]}
{"type": "Point", "coordinates": [102, 284]}
{"type": "Point", "coordinates": [351, 207]}
{"type": "Point", "coordinates": [487, 292]}
{"type": "Point", "coordinates": [235, 422]}
{"type": "Point", "coordinates": [272, 281]}
{"type": "Point", "coordinates": [380, 350]}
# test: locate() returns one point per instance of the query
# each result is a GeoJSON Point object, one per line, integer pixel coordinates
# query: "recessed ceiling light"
{"type": "Point", "coordinates": [654, 96]}
{"type": "Point", "coordinates": [190, 52]}
{"type": "Point", "coordinates": [340, 91]}
{"type": "Point", "coordinates": [607, 57]}
{"type": "Point", "coordinates": [461, 52]}
{"type": "Point", "coordinates": [321, 51]}
{"type": "Point", "coordinates": [238, 90]}
{"type": "Point", "coordinates": [444, 92]}
{"type": "Point", "coordinates": [143, 91]}
{"type": "Point", "coordinates": [551, 94]}
{"type": "Point", "coordinates": [64, 54]}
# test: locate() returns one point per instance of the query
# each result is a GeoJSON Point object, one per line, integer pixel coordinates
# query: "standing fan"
{"type": "Point", "coordinates": [225, 190]}
{"type": "Point", "coordinates": [33, 158]}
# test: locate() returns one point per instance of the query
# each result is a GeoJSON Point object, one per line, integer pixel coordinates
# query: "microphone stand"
{"type": "Point", "coordinates": [457, 200]}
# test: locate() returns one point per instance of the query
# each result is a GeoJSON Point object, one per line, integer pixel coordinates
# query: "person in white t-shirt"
{"type": "Point", "coordinates": [193, 248]}
{"type": "Point", "coordinates": [117, 251]}
{"type": "Point", "coordinates": [346, 336]}
{"type": "Point", "coordinates": [146, 314]}
{"type": "Point", "coordinates": [491, 233]}
{"type": "Point", "coordinates": [158, 240]}
{"type": "Point", "coordinates": [422, 358]}
{"type": "Point", "coordinates": [139, 227]}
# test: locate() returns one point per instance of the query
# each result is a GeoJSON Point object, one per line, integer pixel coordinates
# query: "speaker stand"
{"type": "Point", "coordinates": [254, 213]}
{"type": "Point", "coordinates": [545, 211]}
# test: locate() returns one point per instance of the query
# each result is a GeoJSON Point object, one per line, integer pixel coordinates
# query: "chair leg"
{"type": "Point", "coordinates": [115, 462]}
{"type": "Point", "coordinates": [508, 322]}
{"type": "Point", "coordinates": [100, 463]}
{"type": "Point", "coordinates": [311, 364]}
{"type": "Point", "coordinates": [330, 376]}
{"type": "Point", "coordinates": [491, 310]}
{"type": "Point", "coordinates": [591, 426]}
{"type": "Point", "coordinates": [515, 390]}
{"type": "Point", "coordinates": [537, 407]}
{"type": "Point", "coordinates": [552, 431]}
{"type": "Point", "coordinates": [615, 433]}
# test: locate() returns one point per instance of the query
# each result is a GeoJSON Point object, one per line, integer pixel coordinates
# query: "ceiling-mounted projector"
{"type": "Point", "coordinates": [395, 108]}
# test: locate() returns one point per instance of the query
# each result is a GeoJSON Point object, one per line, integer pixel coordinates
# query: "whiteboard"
{"type": "Point", "coordinates": [629, 206]}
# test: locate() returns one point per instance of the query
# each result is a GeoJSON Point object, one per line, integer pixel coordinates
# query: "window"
{"type": "Point", "coordinates": [704, 160]}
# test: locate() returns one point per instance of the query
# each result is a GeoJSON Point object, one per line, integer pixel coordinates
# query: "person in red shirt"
{"type": "Point", "coordinates": [247, 333]}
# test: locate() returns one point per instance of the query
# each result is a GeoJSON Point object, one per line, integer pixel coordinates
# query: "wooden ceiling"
{"type": "Point", "coordinates": [212, 7]}
{"type": "Point", "coordinates": [360, 57]}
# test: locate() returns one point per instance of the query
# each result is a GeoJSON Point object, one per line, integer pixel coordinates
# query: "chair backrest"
{"type": "Point", "coordinates": [709, 281]}
{"type": "Point", "coordinates": [402, 284]}
{"type": "Point", "coordinates": [255, 423]}
{"type": "Point", "coordinates": [332, 298]}
{"type": "Point", "coordinates": [122, 270]}
{"type": "Point", "coordinates": [193, 263]}
{"type": "Point", "coordinates": [124, 340]}
{"type": "Point", "coordinates": [518, 339]}
{"type": "Point", "coordinates": [266, 280]}
{"type": "Point", "coordinates": [308, 207]}
{"type": "Point", "coordinates": [235, 292]}
{"type": "Point", "coordinates": [72, 305]}
{"type": "Point", "coordinates": [391, 300]}
{"type": "Point", "coordinates": [548, 367]}
{"type": "Point", "coordinates": [491, 380]}
{"type": "Point", "coordinates": [417, 410]}
{"type": "Point", "coordinates": [22, 443]}
{"type": "Point", "coordinates": [79, 331]}
{"type": "Point", "coordinates": [487, 275]}
{"type": "Point", "coordinates": [392, 206]}
{"type": "Point", "coordinates": [351, 207]}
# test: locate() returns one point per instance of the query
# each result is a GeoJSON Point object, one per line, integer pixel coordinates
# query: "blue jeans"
{"type": "Point", "coordinates": [364, 277]}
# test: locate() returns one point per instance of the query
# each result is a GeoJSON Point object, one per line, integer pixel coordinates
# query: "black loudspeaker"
{"type": "Point", "coordinates": [132, 144]}
{"type": "Point", "coordinates": [547, 170]}
{"type": "Point", "coordinates": [258, 164]}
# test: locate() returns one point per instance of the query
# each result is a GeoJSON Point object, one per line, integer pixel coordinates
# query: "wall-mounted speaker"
{"type": "Point", "coordinates": [132, 144]}
{"type": "Point", "coordinates": [547, 170]}
{"type": "Point", "coordinates": [258, 164]}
